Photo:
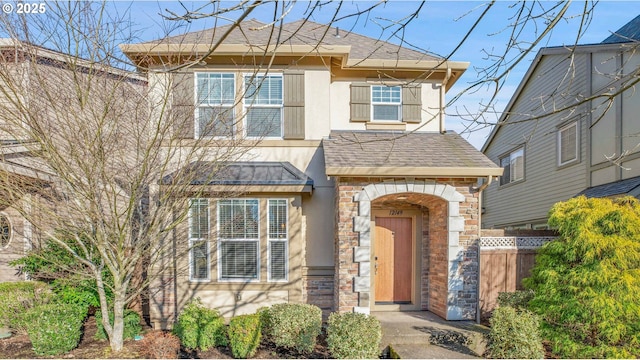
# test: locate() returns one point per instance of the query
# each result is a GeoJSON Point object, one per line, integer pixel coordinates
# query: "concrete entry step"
{"type": "Point", "coordinates": [424, 335]}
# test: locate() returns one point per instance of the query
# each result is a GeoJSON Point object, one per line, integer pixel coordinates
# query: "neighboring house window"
{"type": "Point", "coordinates": [263, 104]}
{"type": "Point", "coordinates": [278, 236]}
{"type": "Point", "coordinates": [386, 103]}
{"type": "Point", "coordinates": [568, 144]}
{"type": "Point", "coordinates": [513, 164]}
{"type": "Point", "coordinates": [216, 96]}
{"type": "Point", "coordinates": [5, 231]}
{"type": "Point", "coordinates": [198, 239]}
{"type": "Point", "coordinates": [238, 235]}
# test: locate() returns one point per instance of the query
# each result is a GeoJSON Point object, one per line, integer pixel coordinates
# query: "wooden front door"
{"type": "Point", "coordinates": [392, 260]}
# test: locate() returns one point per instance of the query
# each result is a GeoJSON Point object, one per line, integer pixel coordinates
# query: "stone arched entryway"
{"type": "Point", "coordinates": [360, 213]}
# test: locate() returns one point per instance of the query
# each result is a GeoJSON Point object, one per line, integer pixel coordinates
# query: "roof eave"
{"type": "Point", "coordinates": [414, 171]}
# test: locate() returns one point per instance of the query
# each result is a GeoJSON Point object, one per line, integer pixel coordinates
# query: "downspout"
{"type": "Point", "coordinates": [480, 190]}
{"type": "Point", "coordinates": [443, 90]}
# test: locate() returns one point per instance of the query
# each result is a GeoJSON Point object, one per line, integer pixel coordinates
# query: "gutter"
{"type": "Point", "coordinates": [480, 190]}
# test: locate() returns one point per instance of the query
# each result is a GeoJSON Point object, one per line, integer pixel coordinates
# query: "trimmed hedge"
{"type": "Point", "coordinates": [55, 328]}
{"type": "Point", "coordinates": [131, 320]}
{"type": "Point", "coordinates": [353, 336]}
{"type": "Point", "coordinates": [244, 335]}
{"type": "Point", "coordinates": [293, 326]}
{"type": "Point", "coordinates": [514, 334]}
{"type": "Point", "coordinates": [517, 299]}
{"type": "Point", "coordinates": [199, 327]}
{"type": "Point", "coordinates": [18, 297]}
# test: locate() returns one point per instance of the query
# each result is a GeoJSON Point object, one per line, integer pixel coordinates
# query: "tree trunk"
{"type": "Point", "coordinates": [116, 340]}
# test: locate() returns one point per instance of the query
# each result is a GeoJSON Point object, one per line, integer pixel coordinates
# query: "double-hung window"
{"type": "Point", "coordinates": [568, 144]}
{"type": "Point", "coordinates": [263, 104]}
{"type": "Point", "coordinates": [198, 240]}
{"type": "Point", "coordinates": [216, 97]}
{"type": "Point", "coordinates": [278, 240]}
{"type": "Point", "coordinates": [386, 103]}
{"type": "Point", "coordinates": [238, 239]}
{"type": "Point", "coordinates": [513, 164]}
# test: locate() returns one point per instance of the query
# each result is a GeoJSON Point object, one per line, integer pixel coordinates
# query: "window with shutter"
{"type": "Point", "coordinates": [386, 103]}
{"type": "Point", "coordinates": [278, 239]}
{"type": "Point", "coordinates": [513, 164]}
{"type": "Point", "coordinates": [238, 239]}
{"type": "Point", "coordinates": [263, 102]}
{"type": "Point", "coordinates": [568, 144]}
{"type": "Point", "coordinates": [198, 240]}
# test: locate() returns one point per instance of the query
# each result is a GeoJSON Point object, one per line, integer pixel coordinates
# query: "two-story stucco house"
{"type": "Point", "coordinates": [355, 198]}
{"type": "Point", "coordinates": [571, 128]}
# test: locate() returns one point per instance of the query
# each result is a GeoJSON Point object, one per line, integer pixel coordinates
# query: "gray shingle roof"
{"type": "Point", "coordinates": [629, 186]}
{"type": "Point", "coordinates": [628, 33]}
{"type": "Point", "coordinates": [240, 173]}
{"type": "Point", "coordinates": [382, 149]}
{"type": "Point", "coordinates": [301, 32]}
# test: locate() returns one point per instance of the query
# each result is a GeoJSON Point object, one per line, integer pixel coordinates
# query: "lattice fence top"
{"type": "Point", "coordinates": [514, 242]}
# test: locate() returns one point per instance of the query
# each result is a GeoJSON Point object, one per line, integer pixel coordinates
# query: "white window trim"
{"type": "Point", "coordinates": [373, 103]}
{"type": "Point", "coordinates": [196, 115]}
{"type": "Point", "coordinates": [219, 246]}
{"type": "Point", "coordinates": [246, 106]}
{"type": "Point", "coordinates": [509, 154]}
{"type": "Point", "coordinates": [285, 240]}
{"type": "Point", "coordinates": [559, 144]}
{"type": "Point", "coordinates": [191, 240]}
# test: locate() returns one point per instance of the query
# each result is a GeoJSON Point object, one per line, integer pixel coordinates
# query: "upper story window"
{"type": "Point", "coordinates": [216, 97]}
{"type": "Point", "coordinates": [513, 164]}
{"type": "Point", "coordinates": [263, 103]}
{"type": "Point", "coordinates": [568, 144]}
{"type": "Point", "coordinates": [386, 103]}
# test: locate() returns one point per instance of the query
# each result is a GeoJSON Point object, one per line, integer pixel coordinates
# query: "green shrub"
{"type": "Point", "coordinates": [18, 297]}
{"type": "Point", "coordinates": [54, 328]}
{"type": "Point", "coordinates": [244, 335]}
{"type": "Point", "coordinates": [199, 327]}
{"type": "Point", "coordinates": [587, 281]}
{"type": "Point", "coordinates": [160, 345]}
{"type": "Point", "coordinates": [353, 336]}
{"type": "Point", "coordinates": [514, 334]}
{"type": "Point", "coordinates": [131, 324]}
{"type": "Point", "coordinates": [294, 326]}
{"type": "Point", "coordinates": [517, 299]}
{"type": "Point", "coordinates": [82, 292]}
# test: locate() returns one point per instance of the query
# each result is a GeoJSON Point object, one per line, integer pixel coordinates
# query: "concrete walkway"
{"type": "Point", "coordinates": [424, 335]}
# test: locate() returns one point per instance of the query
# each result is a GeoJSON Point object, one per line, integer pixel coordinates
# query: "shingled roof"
{"type": "Point", "coordinates": [629, 186]}
{"type": "Point", "coordinates": [629, 32]}
{"type": "Point", "coordinates": [302, 32]}
{"type": "Point", "coordinates": [383, 153]}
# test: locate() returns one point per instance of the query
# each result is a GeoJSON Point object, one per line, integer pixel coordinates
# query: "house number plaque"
{"type": "Point", "coordinates": [395, 212]}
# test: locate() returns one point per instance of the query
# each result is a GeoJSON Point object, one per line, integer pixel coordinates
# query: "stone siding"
{"type": "Point", "coordinates": [449, 270]}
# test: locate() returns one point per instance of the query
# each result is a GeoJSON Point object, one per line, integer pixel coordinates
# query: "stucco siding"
{"type": "Point", "coordinates": [551, 86]}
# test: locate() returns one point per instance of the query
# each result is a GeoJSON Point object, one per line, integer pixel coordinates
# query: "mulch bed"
{"type": "Point", "coordinates": [19, 347]}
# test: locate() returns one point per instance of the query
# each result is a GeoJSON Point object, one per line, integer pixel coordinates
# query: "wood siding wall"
{"type": "Point", "coordinates": [552, 85]}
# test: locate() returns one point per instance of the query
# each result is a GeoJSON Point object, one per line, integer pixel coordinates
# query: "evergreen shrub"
{"type": "Point", "coordinates": [131, 320]}
{"type": "Point", "coordinates": [353, 336]}
{"type": "Point", "coordinates": [199, 327]}
{"type": "Point", "coordinates": [18, 297]}
{"type": "Point", "coordinates": [514, 334]}
{"type": "Point", "coordinates": [244, 335]}
{"type": "Point", "coordinates": [294, 326]}
{"type": "Point", "coordinates": [54, 329]}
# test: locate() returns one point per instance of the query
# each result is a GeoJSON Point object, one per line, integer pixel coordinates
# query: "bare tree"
{"type": "Point", "coordinates": [102, 171]}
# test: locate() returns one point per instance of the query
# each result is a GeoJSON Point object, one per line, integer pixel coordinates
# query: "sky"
{"type": "Point", "coordinates": [438, 28]}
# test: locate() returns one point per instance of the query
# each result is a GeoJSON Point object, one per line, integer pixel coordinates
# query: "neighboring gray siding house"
{"type": "Point", "coordinates": [571, 128]}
